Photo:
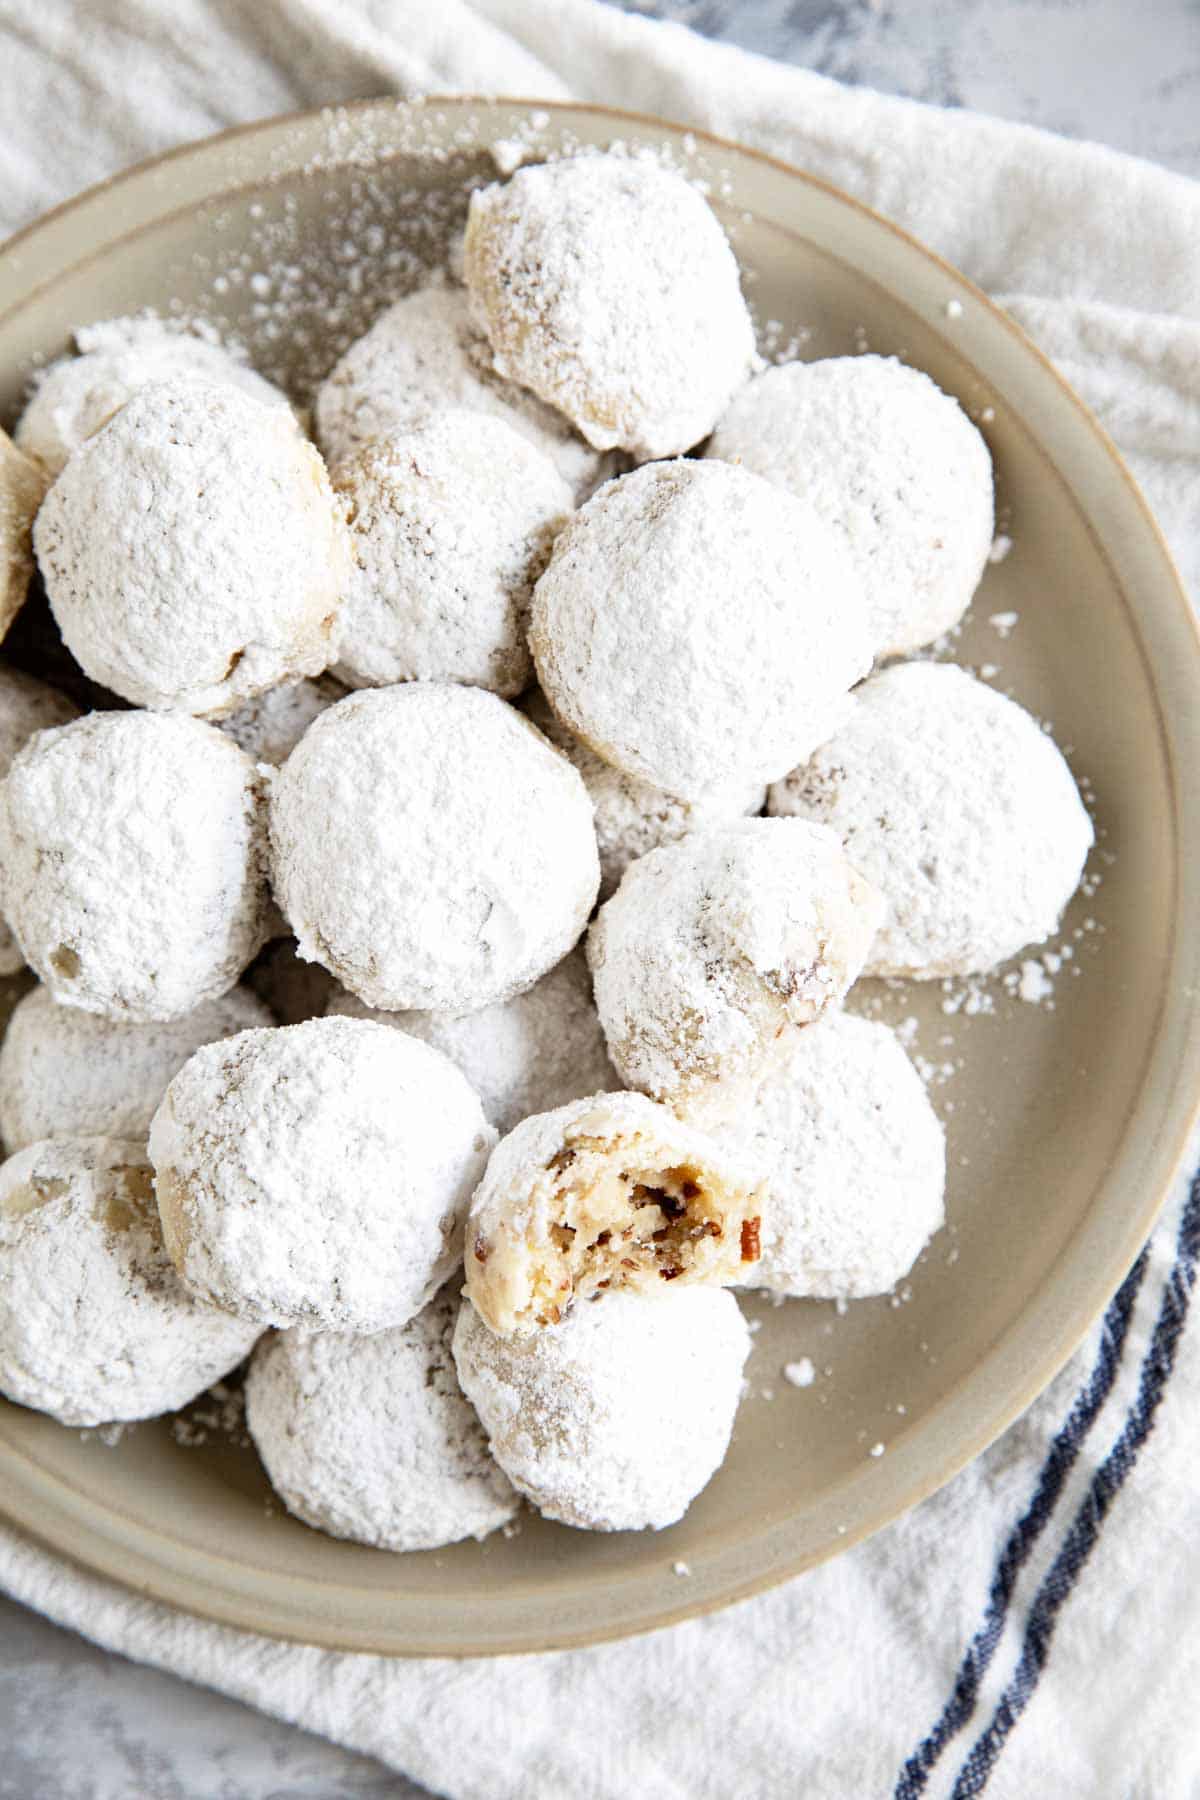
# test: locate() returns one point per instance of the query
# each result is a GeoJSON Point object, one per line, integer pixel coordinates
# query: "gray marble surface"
{"type": "Point", "coordinates": [77, 1724]}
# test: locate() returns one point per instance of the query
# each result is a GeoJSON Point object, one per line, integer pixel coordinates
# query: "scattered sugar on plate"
{"type": "Point", "coordinates": [1003, 622]}
{"type": "Point", "coordinates": [681, 1568]}
{"type": "Point", "coordinates": [800, 1374]}
{"type": "Point", "coordinates": [877, 1449]}
{"type": "Point", "coordinates": [1001, 545]}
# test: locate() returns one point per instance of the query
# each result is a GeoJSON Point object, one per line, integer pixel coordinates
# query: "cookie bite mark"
{"type": "Point", "coordinates": [609, 1193]}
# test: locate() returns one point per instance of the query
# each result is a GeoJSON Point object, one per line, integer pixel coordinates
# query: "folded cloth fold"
{"type": "Point", "coordinates": [1034, 1627]}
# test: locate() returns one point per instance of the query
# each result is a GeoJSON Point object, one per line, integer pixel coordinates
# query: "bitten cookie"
{"type": "Point", "coordinates": [607, 1193]}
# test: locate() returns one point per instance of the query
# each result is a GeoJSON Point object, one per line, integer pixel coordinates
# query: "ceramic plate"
{"type": "Point", "coordinates": [1066, 1118]}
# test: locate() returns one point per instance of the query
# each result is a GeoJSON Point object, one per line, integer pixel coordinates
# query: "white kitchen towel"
{"type": "Point", "coordinates": [1035, 1627]}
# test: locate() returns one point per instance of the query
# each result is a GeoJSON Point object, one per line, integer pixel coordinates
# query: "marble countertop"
{"type": "Point", "coordinates": [78, 1724]}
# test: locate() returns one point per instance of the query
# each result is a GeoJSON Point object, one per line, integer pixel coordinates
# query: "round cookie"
{"type": "Point", "coordinates": [892, 465]}
{"type": "Point", "coordinates": [423, 355]}
{"type": "Point", "coordinates": [269, 727]}
{"type": "Point", "coordinates": [75, 396]}
{"type": "Point", "coordinates": [23, 485]}
{"type": "Point", "coordinates": [371, 1438]}
{"type": "Point", "coordinates": [526, 1055]}
{"type": "Point", "coordinates": [27, 705]}
{"type": "Point", "coordinates": [607, 287]}
{"type": "Point", "coordinates": [133, 848]}
{"type": "Point", "coordinates": [431, 849]}
{"type": "Point", "coordinates": [66, 1073]}
{"type": "Point", "coordinates": [631, 816]}
{"type": "Point", "coordinates": [192, 550]}
{"type": "Point", "coordinates": [617, 1418]}
{"type": "Point", "coordinates": [713, 950]}
{"type": "Point", "coordinates": [958, 807]}
{"type": "Point", "coordinates": [317, 1174]}
{"type": "Point", "coordinates": [94, 1324]}
{"type": "Point", "coordinates": [611, 1192]}
{"type": "Point", "coordinates": [451, 522]}
{"type": "Point", "coordinates": [855, 1161]}
{"type": "Point", "coordinates": [697, 628]}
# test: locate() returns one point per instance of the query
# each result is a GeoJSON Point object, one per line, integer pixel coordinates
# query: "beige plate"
{"type": "Point", "coordinates": [1066, 1123]}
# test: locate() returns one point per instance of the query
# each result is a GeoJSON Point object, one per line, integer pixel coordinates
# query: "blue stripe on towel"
{"type": "Point", "coordinates": [1105, 1486]}
{"type": "Point", "coordinates": [1016, 1552]}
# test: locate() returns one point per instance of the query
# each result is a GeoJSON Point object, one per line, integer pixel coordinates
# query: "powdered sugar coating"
{"type": "Point", "coordinates": [631, 816]}
{"type": "Point", "coordinates": [606, 285]}
{"type": "Point", "coordinates": [269, 727]}
{"type": "Point", "coordinates": [317, 1174]}
{"type": "Point", "coordinates": [94, 1324]}
{"type": "Point", "coordinates": [524, 1055]}
{"type": "Point", "coordinates": [607, 1193]}
{"type": "Point", "coordinates": [712, 950]}
{"type": "Point", "coordinates": [27, 705]}
{"type": "Point", "coordinates": [855, 1160]}
{"type": "Point", "coordinates": [697, 628]}
{"type": "Point", "coordinates": [192, 550]}
{"type": "Point", "coordinates": [430, 849]}
{"type": "Point", "coordinates": [958, 807]}
{"type": "Point", "coordinates": [23, 486]}
{"type": "Point", "coordinates": [75, 396]}
{"type": "Point", "coordinates": [451, 522]}
{"type": "Point", "coordinates": [133, 847]}
{"type": "Point", "coordinates": [423, 355]}
{"type": "Point", "coordinates": [894, 467]}
{"type": "Point", "coordinates": [617, 1418]}
{"type": "Point", "coordinates": [66, 1073]}
{"type": "Point", "coordinates": [371, 1438]}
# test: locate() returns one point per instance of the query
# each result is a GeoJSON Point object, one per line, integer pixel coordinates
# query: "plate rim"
{"type": "Point", "coordinates": [60, 1525]}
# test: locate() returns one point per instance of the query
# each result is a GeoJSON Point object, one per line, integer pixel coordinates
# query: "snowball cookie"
{"type": "Point", "coordinates": [269, 727]}
{"type": "Point", "coordinates": [697, 628]}
{"type": "Point", "coordinates": [615, 1419]}
{"type": "Point", "coordinates": [94, 1323]}
{"type": "Point", "coordinates": [22, 489]}
{"type": "Point", "coordinates": [133, 853]}
{"type": "Point", "coordinates": [631, 816]}
{"type": "Point", "coordinates": [956, 805]}
{"type": "Point", "coordinates": [66, 1073]}
{"type": "Point", "coordinates": [894, 467]}
{"type": "Point", "coordinates": [75, 396]}
{"type": "Point", "coordinates": [855, 1160]}
{"type": "Point", "coordinates": [370, 1438]}
{"type": "Point", "coordinates": [430, 849]}
{"type": "Point", "coordinates": [711, 949]}
{"type": "Point", "coordinates": [524, 1055]}
{"type": "Point", "coordinates": [423, 355]}
{"type": "Point", "coordinates": [608, 1192]}
{"type": "Point", "coordinates": [192, 550]}
{"type": "Point", "coordinates": [26, 706]}
{"type": "Point", "coordinates": [318, 1174]}
{"type": "Point", "coordinates": [607, 286]}
{"type": "Point", "coordinates": [451, 523]}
